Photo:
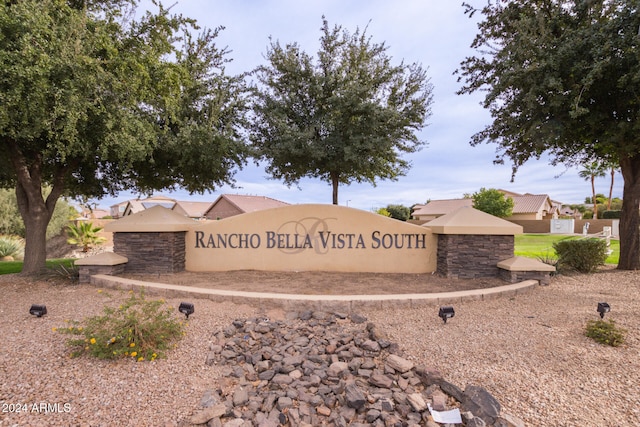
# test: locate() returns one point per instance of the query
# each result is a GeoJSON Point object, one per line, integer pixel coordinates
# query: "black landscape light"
{"type": "Point", "coordinates": [186, 308]}
{"type": "Point", "coordinates": [603, 308]}
{"type": "Point", "coordinates": [446, 313]}
{"type": "Point", "coordinates": [38, 310]}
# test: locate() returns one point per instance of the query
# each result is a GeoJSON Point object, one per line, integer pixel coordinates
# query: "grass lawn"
{"type": "Point", "coordinates": [9, 267]}
{"type": "Point", "coordinates": [541, 246]}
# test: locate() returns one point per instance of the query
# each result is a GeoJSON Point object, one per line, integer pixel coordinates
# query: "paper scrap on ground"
{"type": "Point", "coordinates": [446, 417]}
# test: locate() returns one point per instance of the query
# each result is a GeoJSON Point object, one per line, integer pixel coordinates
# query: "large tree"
{"type": "Point", "coordinates": [562, 77]}
{"type": "Point", "coordinates": [95, 100]}
{"type": "Point", "coordinates": [347, 115]}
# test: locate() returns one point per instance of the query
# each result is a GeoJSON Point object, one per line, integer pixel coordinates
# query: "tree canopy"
{"type": "Point", "coordinates": [347, 115]}
{"type": "Point", "coordinates": [96, 100]}
{"type": "Point", "coordinates": [493, 202]}
{"type": "Point", "coordinates": [561, 78]}
{"type": "Point", "coordinates": [400, 212]}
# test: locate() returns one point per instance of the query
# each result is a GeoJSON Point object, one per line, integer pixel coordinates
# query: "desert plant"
{"type": "Point", "coordinates": [583, 255]}
{"type": "Point", "coordinates": [85, 235]}
{"type": "Point", "coordinates": [547, 258]}
{"type": "Point", "coordinates": [11, 248]}
{"type": "Point", "coordinates": [605, 332]}
{"type": "Point", "coordinates": [139, 328]}
{"type": "Point", "coordinates": [69, 272]}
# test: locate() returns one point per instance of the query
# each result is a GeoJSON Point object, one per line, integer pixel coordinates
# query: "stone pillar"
{"type": "Point", "coordinates": [151, 252]}
{"type": "Point", "coordinates": [153, 241]}
{"type": "Point", "coordinates": [472, 256]}
{"type": "Point", "coordinates": [471, 243]}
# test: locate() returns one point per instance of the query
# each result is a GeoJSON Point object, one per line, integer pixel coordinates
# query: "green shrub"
{"type": "Point", "coordinates": [605, 332]}
{"type": "Point", "coordinates": [399, 212]}
{"type": "Point", "coordinates": [583, 255]}
{"type": "Point", "coordinates": [11, 247]}
{"type": "Point", "coordinates": [140, 329]}
{"type": "Point", "coordinates": [383, 212]}
{"type": "Point", "coordinates": [611, 214]}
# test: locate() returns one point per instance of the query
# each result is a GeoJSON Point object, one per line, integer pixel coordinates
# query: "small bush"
{"type": "Point", "coordinates": [11, 247]}
{"type": "Point", "coordinates": [140, 329]}
{"type": "Point", "coordinates": [583, 255]}
{"type": "Point", "coordinates": [605, 332]}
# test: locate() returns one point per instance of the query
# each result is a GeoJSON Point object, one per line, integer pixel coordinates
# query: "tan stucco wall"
{"type": "Point", "coordinates": [311, 238]}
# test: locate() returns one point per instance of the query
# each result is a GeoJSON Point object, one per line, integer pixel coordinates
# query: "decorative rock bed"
{"type": "Point", "coordinates": [316, 368]}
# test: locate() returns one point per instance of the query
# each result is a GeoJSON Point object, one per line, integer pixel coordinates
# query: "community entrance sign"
{"type": "Point", "coordinates": [310, 237]}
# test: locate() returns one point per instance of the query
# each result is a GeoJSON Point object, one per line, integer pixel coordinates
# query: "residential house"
{"type": "Point", "coordinates": [234, 204]}
{"type": "Point", "coordinates": [138, 205]}
{"type": "Point", "coordinates": [525, 207]}
{"type": "Point", "coordinates": [117, 210]}
{"type": "Point", "coordinates": [438, 208]}
{"type": "Point", "coordinates": [194, 210]}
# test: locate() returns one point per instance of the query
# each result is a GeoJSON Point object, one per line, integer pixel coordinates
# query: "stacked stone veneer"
{"type": "Point", "coordinates": [543, 277]}
{"type": "Point", "coordinates": [471, 256]}
{"type": "Point", "coordinates": [151, 252]}
{"type": "Point", "coordinates": [86, 271]}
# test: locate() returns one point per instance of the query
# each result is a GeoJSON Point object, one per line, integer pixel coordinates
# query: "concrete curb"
{"type": "Point", "coordinates": [319, 302]}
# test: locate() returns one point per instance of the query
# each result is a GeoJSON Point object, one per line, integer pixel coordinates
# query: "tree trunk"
{"type": "Point", "coordinates": [334, 185]}
{"type": "Point", "coordinates": [34, 209]}
{"type": "Point", "coordinates": [630, 216]}
{"type": "Point", "coordinates": [36, 216]}
{"type": "Point", "coordinates": [593, 197]}
{"type": "Point", "coordinates": [613, 174]}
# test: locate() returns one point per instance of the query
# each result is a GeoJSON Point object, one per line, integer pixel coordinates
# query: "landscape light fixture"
{"type": "Point", "coordinates": [186, 308]}
{"type": "Point", "coordinates": [446, 313]}
{"type": "Point", "coordinates": [603, 308]}
{"type": "Point", "coordinates": [38, 310]}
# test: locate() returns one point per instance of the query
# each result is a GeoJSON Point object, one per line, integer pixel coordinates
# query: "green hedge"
{"type": "Point", "coordinates": [611, 214]}
{"type": "Point", "coordinates": [583, 255]}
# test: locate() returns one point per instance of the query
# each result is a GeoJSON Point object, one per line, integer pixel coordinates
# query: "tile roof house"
{"type": "Point", "coordinates": [139, 205]}
{"type": "Point", "coordinates": [195, 210]}
{"type": "Point", "coordinates": [437, 208]}
{"type": "Point", "coordinates": [234, 204]}
{"type": "Point", "coordinates": [525, 207]}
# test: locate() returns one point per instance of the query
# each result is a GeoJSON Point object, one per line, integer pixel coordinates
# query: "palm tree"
{"type": "Point", "coordinates": [85, 235]}
{"type": "Point", "coordinates": [592, 171]}
{"type": "Point", "coordinates": [612, 168]}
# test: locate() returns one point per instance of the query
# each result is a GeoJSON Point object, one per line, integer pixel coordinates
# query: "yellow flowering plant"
{"type": "Point", "coordinates": [148, 326]}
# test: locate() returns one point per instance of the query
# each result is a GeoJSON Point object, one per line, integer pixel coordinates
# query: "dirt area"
{"type": "Point", "coordinates": [321, 283]}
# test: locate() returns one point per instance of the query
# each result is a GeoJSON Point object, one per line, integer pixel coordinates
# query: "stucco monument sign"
{"type": "Point", "coordinates": [465, 243]}
{"type": "Point", "coordinates": [310, 237]}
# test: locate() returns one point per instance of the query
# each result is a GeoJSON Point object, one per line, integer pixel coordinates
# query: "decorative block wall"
{"type": "Point", "coordinates": [151, 252]}
{"type": "Point", "coordinates": [86, 271]}
{"type": "Point", "coordinates": [471, 256]}
{"type": "Point", "coordinates": [543, 277]}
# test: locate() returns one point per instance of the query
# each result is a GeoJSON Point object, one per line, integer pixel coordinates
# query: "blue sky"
{"type": "Point", "coordinates": [434, 33]}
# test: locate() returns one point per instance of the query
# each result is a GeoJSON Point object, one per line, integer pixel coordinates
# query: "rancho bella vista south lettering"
{"type": "Point", "coordinates": [321, 240]}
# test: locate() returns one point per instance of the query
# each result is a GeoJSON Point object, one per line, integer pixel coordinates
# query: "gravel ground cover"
{"type": "Point", "coordinates": [528, 351]}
